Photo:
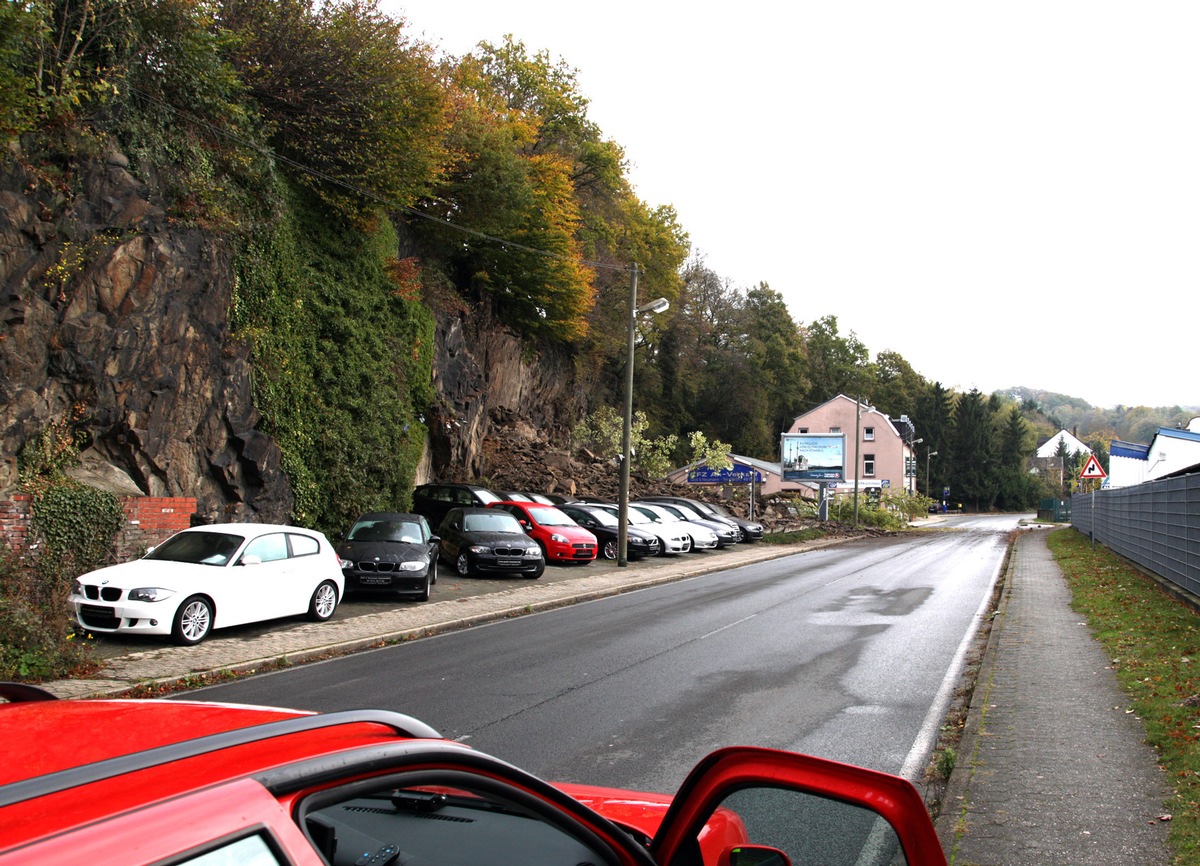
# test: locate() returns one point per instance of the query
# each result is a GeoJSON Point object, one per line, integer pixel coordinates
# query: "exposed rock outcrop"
{"type": "Point", "coordinates": [109, 309]}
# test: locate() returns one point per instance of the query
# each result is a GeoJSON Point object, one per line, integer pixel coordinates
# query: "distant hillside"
{"type": "Point", "coordinates": [1091, 423]}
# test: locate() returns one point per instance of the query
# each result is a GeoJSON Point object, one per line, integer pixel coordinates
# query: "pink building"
{"type": "Point", "coordinates": [885, 448]}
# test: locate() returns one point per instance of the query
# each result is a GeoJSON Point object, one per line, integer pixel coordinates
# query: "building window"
{"type": "Point", "coordinates": [802, 430]}
{"type": "Point", "coordinates": [835, 429]}
{"type": "Point", "coordinates": [869, 465]}
{"type": "Point", "coordinates": [868, 434]}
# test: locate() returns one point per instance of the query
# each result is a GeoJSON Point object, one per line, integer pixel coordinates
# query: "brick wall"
{"type": "Point", "coordinates": [148, 521]}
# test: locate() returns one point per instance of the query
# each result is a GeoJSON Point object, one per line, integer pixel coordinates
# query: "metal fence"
{"type": "Point", "coordinates": [1156, 525]}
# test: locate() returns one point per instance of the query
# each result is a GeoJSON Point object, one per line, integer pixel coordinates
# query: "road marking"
{"type": "Point", "coordinates": [731, 625]}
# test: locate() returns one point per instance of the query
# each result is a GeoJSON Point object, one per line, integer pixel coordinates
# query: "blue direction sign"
{"type": "Point", "coordinates": [739, 474]}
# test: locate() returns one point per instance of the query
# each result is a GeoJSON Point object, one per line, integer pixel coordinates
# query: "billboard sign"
{"type": "Point", "coordinates": [739, 474]}
{"type": "Point", "coordinates": [813, 456]}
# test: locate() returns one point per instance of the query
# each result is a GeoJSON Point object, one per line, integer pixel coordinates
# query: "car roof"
{"type": "Point", "coordinates": [390, 515]}
{"type": "Point", "coordinates": [249, 528]}
{"type": "Point", "coordinates": [97, 758]}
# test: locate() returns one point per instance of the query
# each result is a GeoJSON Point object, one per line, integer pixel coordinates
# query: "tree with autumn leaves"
{"type": "Point", "coordinates": [297, 127]}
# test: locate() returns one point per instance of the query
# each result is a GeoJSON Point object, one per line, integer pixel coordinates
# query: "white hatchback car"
{"type": "Point", "coordinates": [212, 577]}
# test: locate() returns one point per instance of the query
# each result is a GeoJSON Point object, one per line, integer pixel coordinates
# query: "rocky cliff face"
{"type": "Point", "coordinates": [487, 382]}
{"type": "Point", "coordinates": [109, 309]}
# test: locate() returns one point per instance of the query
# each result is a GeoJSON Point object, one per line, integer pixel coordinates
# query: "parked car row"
{"type": "Point", "coordinates": [222, 575]}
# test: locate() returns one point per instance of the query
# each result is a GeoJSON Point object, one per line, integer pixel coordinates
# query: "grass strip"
{"type": "Point", "coordinates": [1153, 643]}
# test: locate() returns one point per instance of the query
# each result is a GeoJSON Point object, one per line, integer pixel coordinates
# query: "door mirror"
{"type": "Point", "coordinates": [250, 559]}
{"type": "Point", "coordinates": [754, 855]}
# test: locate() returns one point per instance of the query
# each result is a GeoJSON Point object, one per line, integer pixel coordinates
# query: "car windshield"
{"type": "Point", "coordinates": [487, 496]}
{"type": "Point", "coordinates": [499, 521]}
{"type": "Point", "coordinates": [385, 530]}
{"type": "Point", "coordinates": [604, 518]}
{"type": "Point", "coordinates": [202, 548]}
{"type": "Point", "coordinates": [652, 515]}
{"type": "Point", "coordinates": [551, 517]}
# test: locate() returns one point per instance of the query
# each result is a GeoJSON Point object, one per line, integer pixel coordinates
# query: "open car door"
{"type": "Point", "coordinates": [745, 806]}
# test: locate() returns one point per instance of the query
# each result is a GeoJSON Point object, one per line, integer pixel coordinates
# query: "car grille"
{"type": "Point", "coordinates": [508, 551]}
{"type": "Point", "coordinates": [583, 550]}
{"type": "Point", "coordinates": [94, 616]}
{"type": "Point", "coordinates": [105, 593]}
{"type": "Point", "coordinates": [376, 567]}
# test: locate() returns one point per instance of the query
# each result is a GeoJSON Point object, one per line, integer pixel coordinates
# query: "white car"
{"type": "Point", "coordinates": [213, 577]}
{"type": "Point", "coordinates": [702, 537]}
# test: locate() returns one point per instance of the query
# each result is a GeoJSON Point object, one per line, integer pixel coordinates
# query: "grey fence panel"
{"type": "Point", "coordinates": [1157, 525]}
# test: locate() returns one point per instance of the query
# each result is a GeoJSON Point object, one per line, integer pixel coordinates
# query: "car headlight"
{"type": "Point", "coordinates": [76, 587]}
{"type": "Point", "coordinates": [481, 549]}
{"type": "Point", "coordinates": [533, 551]}
{"type": "Point", "coordinates": [561, 539]}
{"type": "Point", "coordinates": [150, 593]}
{"type": "Point", "coordinates": [345, 563]}
{"type": "Point", "coordinates": [411, 566]}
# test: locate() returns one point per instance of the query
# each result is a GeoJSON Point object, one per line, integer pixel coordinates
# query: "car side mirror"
{"type": "Point", "coordinates": [754, 855]}
{"type": "Point", "coordinates": [250, 559]}
{"type": "Point", "coordinates": [434, 539]}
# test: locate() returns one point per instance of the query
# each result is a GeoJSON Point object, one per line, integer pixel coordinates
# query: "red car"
{"type": "Point", "coordinates": [560, 537]}
{"type": "Point", "coordinates": [139, 782]}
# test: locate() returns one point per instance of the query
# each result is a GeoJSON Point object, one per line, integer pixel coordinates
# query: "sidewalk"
{"type": "Point", "coordinates": [1052, 768]}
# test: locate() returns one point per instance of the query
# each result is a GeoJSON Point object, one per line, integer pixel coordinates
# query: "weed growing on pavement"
{"type": "Point", "coordinates": [1153, 640]}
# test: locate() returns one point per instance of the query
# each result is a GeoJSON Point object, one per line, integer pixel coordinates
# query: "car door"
{"type": "Point", "coordinates": [745, 806]}
{"type": "Point", "coordinates": [266, 589]}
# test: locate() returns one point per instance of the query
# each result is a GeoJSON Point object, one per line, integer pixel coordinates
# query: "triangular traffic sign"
{"type": "Point", "coordinates": [1093, 469]}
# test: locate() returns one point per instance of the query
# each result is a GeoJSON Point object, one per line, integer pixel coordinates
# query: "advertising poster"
{"type": "Point", "coordinates": [813, 456]}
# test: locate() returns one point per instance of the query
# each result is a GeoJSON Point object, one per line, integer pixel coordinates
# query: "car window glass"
{"type": "Point", "coordinates": [247, 851]}
{"type": "Point", "coordinates": [268, 548]}
{"type": "Point", "coordinates": [498, 522]}
{"type": "Point", "coordinates": [809, 829]}
{"type": "Point", "coordinates": [303, 545]}
{"type": "Point", "coordinates": [603, 518]}
{"type": "Point", "coordinates": [206, 548]}
{"type": "Point", "coordinates": [486, 496]}
{"type": "Point", "coordinates": [551, 517]}
{"type": "Point", "coordinates": [445, 818]}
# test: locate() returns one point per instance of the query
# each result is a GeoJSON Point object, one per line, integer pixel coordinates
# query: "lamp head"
{"type": "Point", "coordinates": [659, 305]}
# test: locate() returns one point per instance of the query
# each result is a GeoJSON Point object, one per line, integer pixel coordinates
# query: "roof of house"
{"type": "Point", "coordinates": [1050, 447]}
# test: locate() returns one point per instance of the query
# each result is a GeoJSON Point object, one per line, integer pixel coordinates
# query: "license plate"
{"type": "Point", "coordinates": [508, 563]}
{"type": "Point", "coordinates": [375, 580]}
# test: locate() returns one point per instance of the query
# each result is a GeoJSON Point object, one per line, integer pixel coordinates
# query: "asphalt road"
{"type": "Point", "coordinates": [848, 652]}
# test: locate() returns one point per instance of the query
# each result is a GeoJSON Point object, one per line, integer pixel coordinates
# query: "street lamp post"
{"type": "Point", "coordinates": [928, 454]}
{"type": "Point", "coordinates": [656, 306]}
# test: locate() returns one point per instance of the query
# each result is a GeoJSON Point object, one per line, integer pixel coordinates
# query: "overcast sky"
{"type": "Point", "coordinates": [1005, 194]}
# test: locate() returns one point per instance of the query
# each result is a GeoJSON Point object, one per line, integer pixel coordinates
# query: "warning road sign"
{"type": "Point", "coordinates": [1093, 469]}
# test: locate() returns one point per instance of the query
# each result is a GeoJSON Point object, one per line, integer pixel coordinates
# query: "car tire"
{"type": "Point", "coordinates": [324, 601]}
{"type": "Point", "coordinates": [611, 549]}
{"type": "Point", "coordinates": [463, 565]}
{"type": "Point", "coordinates": [425, 591]}
{"type": "Point", "coordinates": [433, 566]}
{"type": "Point", "coordinates": [193, 621]}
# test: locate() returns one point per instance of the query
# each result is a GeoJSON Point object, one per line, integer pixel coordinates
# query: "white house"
{"type": "Point", "coordinates": [1126, 463]}
{"type": "Point", "coordinates": [1172, 451]}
